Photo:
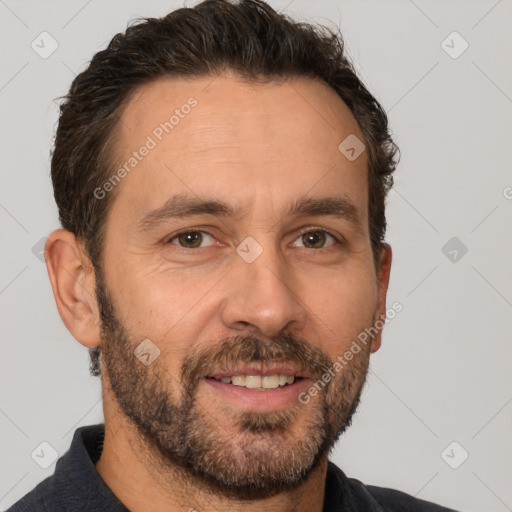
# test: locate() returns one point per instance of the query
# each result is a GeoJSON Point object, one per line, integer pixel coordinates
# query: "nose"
{"type": "Point", "coordinates": [263, 297]}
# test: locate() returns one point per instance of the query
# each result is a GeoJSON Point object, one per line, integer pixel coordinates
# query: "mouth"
{"type": "Point", "coordinates": [259, 389]}
{"type": "Point", "coordinates": [259, 382]}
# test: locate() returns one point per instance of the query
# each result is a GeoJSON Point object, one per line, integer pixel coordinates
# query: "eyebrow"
{"type": "Point", "coordinates": [180, 205]}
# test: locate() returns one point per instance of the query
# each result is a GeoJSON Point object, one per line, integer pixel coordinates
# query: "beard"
{"type": "Point", "coordinates": [242, 455]}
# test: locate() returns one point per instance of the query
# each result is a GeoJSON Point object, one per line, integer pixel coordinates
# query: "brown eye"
{"type": "Point", "coordinates": [189, 239]}
{"type": "Point", "coordinates": [315, 239]}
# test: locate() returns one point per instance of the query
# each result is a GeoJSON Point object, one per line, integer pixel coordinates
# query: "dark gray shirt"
{"type": "Point", "coordinates": [77, 486]}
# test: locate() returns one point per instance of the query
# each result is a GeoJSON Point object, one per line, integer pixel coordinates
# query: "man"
{"type": "Point", "coordinates": [220, 175]}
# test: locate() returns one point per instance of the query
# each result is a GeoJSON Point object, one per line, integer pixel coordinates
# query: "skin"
{"type": "Point", "coordinates": [260, 146]}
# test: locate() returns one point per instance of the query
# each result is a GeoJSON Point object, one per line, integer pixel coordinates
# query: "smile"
{"type": "Point", "coordinates": [258, 382]}
{"type": "Point", "coordinates": [249, 392]}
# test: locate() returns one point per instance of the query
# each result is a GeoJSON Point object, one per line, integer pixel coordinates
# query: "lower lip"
{"type": "Point", "coordinates": [254, 400]}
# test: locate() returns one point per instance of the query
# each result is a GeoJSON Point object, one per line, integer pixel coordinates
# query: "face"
{"type": "Point", "coordinates": [217, 318]}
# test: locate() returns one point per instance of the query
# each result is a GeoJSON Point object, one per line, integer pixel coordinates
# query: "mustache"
{"type": "Point", "coordinates": [284, 348]}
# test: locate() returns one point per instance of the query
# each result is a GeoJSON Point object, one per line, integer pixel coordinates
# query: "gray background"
{"type": "Point", "coordinates": [443, 372]}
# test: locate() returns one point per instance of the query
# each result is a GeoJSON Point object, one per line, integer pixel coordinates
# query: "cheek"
{"type": "Point", "coordinates": [341, 308]}
{"type": "Point", "coordinates": [164, 307]}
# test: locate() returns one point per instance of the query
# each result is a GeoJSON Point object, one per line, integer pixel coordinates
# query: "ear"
{"type": "Point", "coordinates": [73, 282]}
{"type": "Point", "coordinates": [382, 281]}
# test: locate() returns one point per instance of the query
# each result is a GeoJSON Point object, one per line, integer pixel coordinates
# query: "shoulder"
{"type": "Point", "coordinates": [398, 501]}
{"type": "Point", "coordinates": [75, 482]}
{"type": "Point", "coordinates": [37, 499]}
{"type": "Point", "coordinates": [342, 491]}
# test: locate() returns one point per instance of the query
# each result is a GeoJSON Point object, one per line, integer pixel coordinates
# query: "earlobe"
{"type": "Point", "coordinates": [73, 282]}
{"type": "Point", "coordinates": [382, 282]}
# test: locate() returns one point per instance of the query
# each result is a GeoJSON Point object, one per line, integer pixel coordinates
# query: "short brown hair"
{"type": "Point", "coordinates": [248, 37]}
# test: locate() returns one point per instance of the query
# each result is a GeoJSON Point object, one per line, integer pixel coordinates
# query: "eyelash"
{"type": "Point", "coordinates": [310, 229]}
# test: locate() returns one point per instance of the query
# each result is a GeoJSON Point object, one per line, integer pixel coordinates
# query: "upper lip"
{"type": "Point", "coordinates": [260, 369]}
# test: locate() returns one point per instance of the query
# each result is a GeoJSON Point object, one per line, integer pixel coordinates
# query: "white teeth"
{"type": "Point", "coordinates": [270, 381]}
{"type": "Point", "coordinates": [238, 380]}
{"type": "Point", "coordinates": [259, 382]}
{"type": "Point", "coordinates": [253, 381]}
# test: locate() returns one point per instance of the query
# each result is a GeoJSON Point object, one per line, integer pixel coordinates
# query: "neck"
{"type": "Point", "coordinates": [133, 474]}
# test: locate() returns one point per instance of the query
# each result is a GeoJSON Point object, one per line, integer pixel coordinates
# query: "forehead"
{"type": "Point", "coordinates": [220, 136]}
{"type": "Point", "coordinates": [238, 110]}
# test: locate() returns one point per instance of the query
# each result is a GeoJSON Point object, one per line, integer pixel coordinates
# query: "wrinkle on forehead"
{"type": "Point", "coordinates": [279, 139]}
{"type": "Point", "coordinates": [229, 108]}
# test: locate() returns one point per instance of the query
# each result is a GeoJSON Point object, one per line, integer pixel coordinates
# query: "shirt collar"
{"type": "Point", "coordinates": [77, 480]}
